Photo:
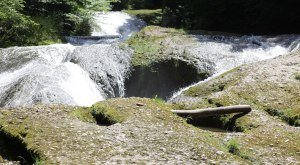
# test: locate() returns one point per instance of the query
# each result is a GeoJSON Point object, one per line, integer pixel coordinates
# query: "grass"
{"type": "Point", "coordinates": [233, 147]}
{"type": "Point", "coordinates": [159, 100]}
{"type": "Point", "coordinates": [297, 76]}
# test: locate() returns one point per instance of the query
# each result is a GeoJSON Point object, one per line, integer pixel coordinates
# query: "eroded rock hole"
{"type": "Point", "coordinates": [14, 149]}
{"type": "Point", "coordinates": [161, 79]}
{"type": "Point", "coordinates": [219, 123]}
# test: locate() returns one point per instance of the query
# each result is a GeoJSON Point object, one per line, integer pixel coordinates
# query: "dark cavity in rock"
{"type": "Point", "coordinates": [161, 79]}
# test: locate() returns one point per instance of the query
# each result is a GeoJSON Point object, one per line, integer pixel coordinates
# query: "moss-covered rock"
{"type": "Point", "coordinates": [148, 133]}
{"type": "Point", "coordinates": [272, 91]}
{"type": "Point", "coordinates": [268, 86]}
{"type": "Point", "coordinates": [161, 62]}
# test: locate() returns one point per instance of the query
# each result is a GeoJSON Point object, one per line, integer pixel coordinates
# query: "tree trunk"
{"type": "Point", "coordinates": [214, 111]}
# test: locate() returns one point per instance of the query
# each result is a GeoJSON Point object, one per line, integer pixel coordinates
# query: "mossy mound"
{"type": "Point", "coordinates": [148, 132]}
{"type": "Point", "coordinates": [268, 86]}
{"type": "Point", "coordinates": [161, 63]}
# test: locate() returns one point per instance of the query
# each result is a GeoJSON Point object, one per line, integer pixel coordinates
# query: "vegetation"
{"type": "Point", "coordinates": [251, 17]}
{"type": "Point", "coordinates": [234, 147]}
{"type": "Point", "coordinates": [151, 17]}
{"type": "Point", "coordinates": [99, 113]}
{"type": "Point", "coordinates": [149, 44]}
{"type": "Point", "coordinates": [297, 76]}
{"type": "Point", "coordinates": [27, 22]}
{"type": "Point", "coordinates": [137, 4]}
{"type": "Point", "coordinates": [280, 101]}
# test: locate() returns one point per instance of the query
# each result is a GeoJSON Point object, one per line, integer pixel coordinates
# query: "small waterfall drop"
{"type": "Point", "coordinates": [116, 23]}
{"type": "Point", "coordinates": [83, 75]}
{"type": "Point", "coordinates": [228, 52]}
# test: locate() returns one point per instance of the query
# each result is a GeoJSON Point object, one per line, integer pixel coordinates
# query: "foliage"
{"type": "Point", "coordinates": [252, 16]}
{"type": "Point", "coordinates": [14, 26]}
{"type": "Point", "coordinates": [151, 17]}
{"type": "Point", "coordinates": [33, 22]}
{"type": "Point", "coordinates": [137, 4]}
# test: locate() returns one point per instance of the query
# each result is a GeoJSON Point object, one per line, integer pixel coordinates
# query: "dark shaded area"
{"type": "Point", "coordinates": [291, 120]}
{"type": "Point", "coordinates": [236, 16]}
{"type": "Point", "coordinates": [161, 79]}
{"type": "Point", "coordinates": [217, 123]}
{"type": "Point", "coordinates": [13, 149]}
{"type": "Point", "coordinates": [136, 4]}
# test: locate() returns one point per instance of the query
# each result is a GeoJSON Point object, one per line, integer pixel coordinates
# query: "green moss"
{"type": "Point", "coordinates": [281, 101]}
{"type": "Point", "coordinates": [213, 86]}
{"type": "Point", "coordinates": [151, 17]}
{"type": "Point", "coordinates": [15, 148]}
{"type": "Point", "coordinates": [106, 115]}
{"type": "Point", "coordinates": [297, 76]}
{"type": "Point", "coordinates": [233, 147]}
{"type": "Point", "coordinates": [150, 44]}
{"type": "Point", "coordinates": [84, 114]}
{"type": "Point", "coordinates": [158, 100]}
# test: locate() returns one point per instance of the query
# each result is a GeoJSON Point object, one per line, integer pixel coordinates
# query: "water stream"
{"type": "Point", "coordinates": [94, 71]}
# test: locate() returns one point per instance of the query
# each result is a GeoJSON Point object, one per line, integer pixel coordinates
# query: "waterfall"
{"type": "Point", "coordinates": [228, 52]}
{"type": "Point", "coordinates": [83, 75]}
{"type": "Point", "coordinates": [109, 27]}
{"type": "Point", "coordinates": [116, 23]}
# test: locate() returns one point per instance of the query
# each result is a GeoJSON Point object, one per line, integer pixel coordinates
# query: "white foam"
{"type": "Point", "coordinates": [79, 86]}
{"type": "Point", "coordinates": [116, 23]}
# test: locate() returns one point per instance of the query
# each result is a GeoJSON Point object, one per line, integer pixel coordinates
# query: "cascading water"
{"type": "Point", "coordinates": [62, 74]}
{"type": "Point", "coordinates": [109, 27]}
{"type": "Point", "coordinates": [227, 52]}
{"type": "Point", "coordinates": [65, 74]}
{"type": "Point", "coordinates": [116, 23]}
{"type": "Point", "coordinates": [83, 75]}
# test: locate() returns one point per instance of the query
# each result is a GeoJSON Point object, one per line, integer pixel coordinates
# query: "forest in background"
{"type": "Point", "coordinates": [36, 22]}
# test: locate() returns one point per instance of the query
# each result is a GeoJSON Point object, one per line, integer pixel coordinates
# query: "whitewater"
{"type": "Point", "coordinates": [83, 74]}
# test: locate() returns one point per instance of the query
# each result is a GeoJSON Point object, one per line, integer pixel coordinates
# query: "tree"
{"type": "Point", "coordinates": [14, 26]}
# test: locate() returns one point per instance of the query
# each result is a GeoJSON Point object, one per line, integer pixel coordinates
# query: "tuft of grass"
{"type": "Point", "coordinates": [38, 161]}
{"type": "Point", "coordinates": [158, 100]}
{"type": "Point", "coordinates": [233, 147]}
{"type": "Point", "coordinates": [297, 76]}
